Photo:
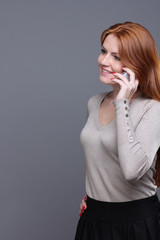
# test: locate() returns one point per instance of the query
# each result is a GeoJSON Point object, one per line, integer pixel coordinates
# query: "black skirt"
{"type": "Point", "coordinates": [132, 220]}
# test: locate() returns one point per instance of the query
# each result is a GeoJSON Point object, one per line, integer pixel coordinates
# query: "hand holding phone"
{"type": "Point", "coordinates": [125, 74]}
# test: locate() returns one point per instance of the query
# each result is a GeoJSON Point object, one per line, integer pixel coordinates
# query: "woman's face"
{"type": "Point", "coordinates": [109, 60]}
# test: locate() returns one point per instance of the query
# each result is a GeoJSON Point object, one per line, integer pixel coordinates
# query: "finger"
{"type": "Point", "coordinates": [85, 197]}
{"type": "Point", "coordinates": [130, 72]}
{"type": "Point", "coordinates": [136, 84]}
{"type": "Point", "coordinates": [130, 89]}
{"type": "Point", "coordinates": [120, 82]}
{"type": "Point", "coordinates": [81, 211]}
{"type": "Point", "coordinates": [123, 84]}
{"type": "Point", "coordinates": [121, 77]}
{"type": "Point", "coordinates": [84, 206]}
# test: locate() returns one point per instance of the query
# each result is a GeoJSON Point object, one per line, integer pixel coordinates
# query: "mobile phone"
{"type": "Point", "coordinates": [125, 74]}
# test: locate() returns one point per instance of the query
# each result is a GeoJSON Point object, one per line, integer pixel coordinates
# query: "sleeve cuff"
{"type": "Point", "coordinates": [122, 111]}
{"type": "Point", "coordinates": [121, 102]}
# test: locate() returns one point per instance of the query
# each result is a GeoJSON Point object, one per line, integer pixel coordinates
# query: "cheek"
{"type": "Point", "coordinates": [99, 59]}
{"type": "Point", "coordinates": [118, 68]}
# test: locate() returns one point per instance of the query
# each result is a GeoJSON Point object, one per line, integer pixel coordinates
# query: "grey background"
{"type": "Point", "coordinates": [48, 71]}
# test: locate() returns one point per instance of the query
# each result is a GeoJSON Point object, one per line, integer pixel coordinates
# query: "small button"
{"type": "Point", "coordinates": [126, 115]}
{"type": "Point", "coordinates": [126, 108]}
{"type": "Point", "coordinates": [125, 101]}
{"type": "Point", "coordinates": [129, 130]}
{"type": "Point", "coordinates": [130, 138]}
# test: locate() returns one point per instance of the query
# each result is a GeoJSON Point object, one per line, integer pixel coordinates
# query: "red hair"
{"type": "Point", "coordinates": [137, 51]}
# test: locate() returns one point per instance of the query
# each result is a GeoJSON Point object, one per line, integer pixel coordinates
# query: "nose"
{"type": "Point", "coordinates": [106, 60]}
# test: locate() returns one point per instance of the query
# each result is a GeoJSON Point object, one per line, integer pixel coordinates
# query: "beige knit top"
{"type": "Point", "coordinates": [120, 157]}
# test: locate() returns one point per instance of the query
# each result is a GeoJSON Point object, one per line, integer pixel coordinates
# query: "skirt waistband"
{"type": "Point", "coordinates": [121, 211]}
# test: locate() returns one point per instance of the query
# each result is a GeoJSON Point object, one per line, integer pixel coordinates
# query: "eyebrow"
{"type": "Point", "coordinates": [112, 52]}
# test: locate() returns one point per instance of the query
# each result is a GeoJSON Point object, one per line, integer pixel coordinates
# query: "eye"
{"type": "Point", "coordinates": [117, 58]}
{"type": "Point", "coordinates": [103, 51]}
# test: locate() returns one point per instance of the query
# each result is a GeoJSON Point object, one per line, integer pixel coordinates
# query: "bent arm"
{"type": "Point", "coordinates": [137, 148]}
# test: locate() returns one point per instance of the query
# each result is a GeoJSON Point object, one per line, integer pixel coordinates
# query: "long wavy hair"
{"type": "Point", "coordinates": [137, 51]}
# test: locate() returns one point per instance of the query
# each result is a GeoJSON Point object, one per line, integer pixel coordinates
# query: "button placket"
{"type": "Point", "coordinates": [126, 113]}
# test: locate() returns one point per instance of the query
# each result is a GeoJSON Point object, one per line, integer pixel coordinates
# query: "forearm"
{"type": "Point", "coordinates": [132, 157]}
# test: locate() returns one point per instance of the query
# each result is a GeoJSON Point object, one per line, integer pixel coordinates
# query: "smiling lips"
{"type": "Point", "coordinates": [105, 72]}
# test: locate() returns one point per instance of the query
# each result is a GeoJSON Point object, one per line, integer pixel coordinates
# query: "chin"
{"type": "Point", "coordinates": [106, 80]}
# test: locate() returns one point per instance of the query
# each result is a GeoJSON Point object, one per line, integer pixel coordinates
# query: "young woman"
{"type": "Point", "coordinates": [121, 141]}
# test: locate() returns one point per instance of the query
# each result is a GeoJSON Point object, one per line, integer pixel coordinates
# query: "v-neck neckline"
{"type": "Point", "coordinates": [99, 125]}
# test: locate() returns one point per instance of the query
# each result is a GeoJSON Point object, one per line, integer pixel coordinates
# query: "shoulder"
{"type": "Point", "coordinates": [146, 103]}
{"type": "Point", "coordinates": [149, 109]}
{"type": "Point", "coordinates": [151, 104]}
{"type": "Point", "coordinates": [93, 99]}
{"type": "Point", "coordinates": [154, 108]}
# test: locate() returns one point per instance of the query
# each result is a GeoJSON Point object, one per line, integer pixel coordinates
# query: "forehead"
{"type": "Point", "coordinates": [111, 43]}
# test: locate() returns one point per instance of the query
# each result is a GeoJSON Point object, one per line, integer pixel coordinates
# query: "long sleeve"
{"type": "Point", "coordinates": [137, 147]}
{"type": "Point", "coordinates": [120, 157]}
